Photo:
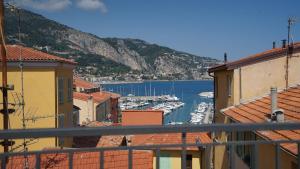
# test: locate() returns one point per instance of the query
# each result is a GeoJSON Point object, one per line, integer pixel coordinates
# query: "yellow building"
{"type": "Point", "coordinates": [170, 158]}
{"type": "Point", "coordinates": [239, 82]}
{"type": "Point", "coordinates": [48, 100]}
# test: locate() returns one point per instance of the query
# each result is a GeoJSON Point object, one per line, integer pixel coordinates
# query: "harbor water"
{"type": "Point", "coordinates": [186, 91]}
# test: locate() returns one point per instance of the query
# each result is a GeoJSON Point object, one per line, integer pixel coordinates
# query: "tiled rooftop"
{"type": "Point", "coordinates": [112, 141]}
{"type": "Point", "coordinates": [78, 82]}
{"type": "Point", "coordinates": [98, 97]}
{"type": "Point", "coordinates": [32, 55]}
{"type": "Point", "coordinates": [170, 138]}
{"type": "Point", "coordinates": [258, 111]}
{"type": "Point", "coordinates": [263, 56]}
{"type": "Point", "coordinates": [88, 160]}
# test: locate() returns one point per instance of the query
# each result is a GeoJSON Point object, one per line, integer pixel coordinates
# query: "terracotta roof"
{"type": "Point", "coordinates": [170, 138]}
{"type": "Point", "coordinates": [78, 82]}
{"type": "Point", "coordinates": [111, 141]}
{"type": "Point", "coordinates": [32, 55]}
{"type": "Point", "coordinates": [101, 96]}
{"type": "Point", "coordinates": [98, 97]}
{"type": "Point", "coordinates": [258, 111]}
{"type": "Point", "coordinates": [263, 56]}
{"type": "Point", "coordinates": [91, 160]}
{"type": "Point", "coordinates": [81, 96]}
{"type": "Point", "coordinates": [96, 141]}
{"type": "Point", "coordinates": [142, 117]}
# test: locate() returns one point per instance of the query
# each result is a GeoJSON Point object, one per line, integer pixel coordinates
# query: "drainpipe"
{"type": "Point", "coordinates": [214, 118]}
{"type": "Point", "coordinates": [214, 99]}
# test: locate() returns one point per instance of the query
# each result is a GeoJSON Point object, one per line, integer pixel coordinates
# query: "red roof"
{"type": "Point", "coordinates": [170, 138]}
{"type": "Point", "coordinates": [78, 82]}
{"type": "Point", "coordinates": [111, 141]}
{"type": "Point", "coordinates": [142, 117]}
{"type": "Point", "coordinates": [98, 97]}
{"type": "Point", "coordinates": [263, 56]}
{"type": "Point", "coordinates": [32, 55]}
{"type": "Point", "coordinates": [88, 160]}
{"type": "Point", "coordinates": [258, 111]}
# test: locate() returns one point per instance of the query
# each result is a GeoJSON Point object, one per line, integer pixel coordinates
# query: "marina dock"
{"type": "Point", "coordinates": [150, 98]}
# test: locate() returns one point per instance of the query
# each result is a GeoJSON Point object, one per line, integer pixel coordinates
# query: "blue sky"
{"type": "Point", "coordinates": [205, 28]}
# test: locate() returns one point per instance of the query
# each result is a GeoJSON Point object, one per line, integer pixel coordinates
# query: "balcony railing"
{"type": "Point", "coordinates": [133, 130]}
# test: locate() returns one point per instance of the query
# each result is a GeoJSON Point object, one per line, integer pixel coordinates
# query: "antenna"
{"type": "Point", "coordinates": [291, 21]}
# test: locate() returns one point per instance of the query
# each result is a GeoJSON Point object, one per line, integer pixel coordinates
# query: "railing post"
{"type": "Point", "coordinates": [157, 158]}
{"type": "Point", "coordinates": [277, 156]}
{"type": "Point", "coordinates": [298, 157]}
{"type": "Point", "coordinates": [101, 159]}
{"type": "Point", "coordinates": [208, 153]}
{"type": "Point", "coordinates": [38, 161]}
{"type": "Point", "coordinates": [71, 160]}
{"type": "Point", "coordinates": [3, 161]}
{"type": "Point", "coordinates": [183, 153]}
{"type": "Point", "coordinates": [255, 159]}
{"type": "Point", "coordinates": [129, 158]}
{"type": "Point", "coordinates": [231, 154]}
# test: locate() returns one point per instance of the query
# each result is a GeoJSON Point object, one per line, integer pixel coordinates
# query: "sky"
{"type": "Point", "coordinates": [202, 27]}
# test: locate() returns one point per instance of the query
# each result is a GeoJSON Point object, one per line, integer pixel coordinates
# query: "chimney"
{"type": "Point", "coordinates": [274, 44]}
{"type": "Point", "coordinates": [225, 57]}
{"type": "Point", "coordinates": [273, 99]}
{"type": "Point", "coordinates": [283, 43]}
{"type": "Point", "coordinates": [277, 115]}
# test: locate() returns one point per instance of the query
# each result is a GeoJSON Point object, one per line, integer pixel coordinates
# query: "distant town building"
{"type": "Point", "coordinates": [48, 96]}
{"type": "Point", "coordinates": [242, 90]}
{"type": "Point", "coordinates": [95, 105]}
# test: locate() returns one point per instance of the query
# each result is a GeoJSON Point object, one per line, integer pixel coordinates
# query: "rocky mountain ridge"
{"type": "Point", "coordinates": [97, 56]}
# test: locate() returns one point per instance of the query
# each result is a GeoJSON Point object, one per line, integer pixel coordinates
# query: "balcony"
{"type": "Point", "coordinates": [97, 157]}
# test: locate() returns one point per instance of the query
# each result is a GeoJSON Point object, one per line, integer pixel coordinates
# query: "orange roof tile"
{"type": "Point", "coordinates": [170, 138]}
{"type": "Point", "coordinates": [111, 141]}
{"type": "Point", "coordinates": [32, 55]}
{"type": "Point", "coordinates": [142, 117]}
{"type": "Point", "coordinates": [91, 160]}
{"type": "Point", "coordinates": [78, 82]}
{"type": "Point", "coordinates": [81, 96]}
{"type": "Point", "coordinates": [98, 97]}
{"type": "Point", "coordinates": [258, 111]}
{"type": "Point", "coordinates": [263, 56]}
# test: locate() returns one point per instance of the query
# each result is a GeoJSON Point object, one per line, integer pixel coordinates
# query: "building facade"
{"type": "Point", "coordinates": [48, 101]}
{"type": "Point", "coordinates": [95, 105]}
{"type": "Point", "coordinates": [245, 80]}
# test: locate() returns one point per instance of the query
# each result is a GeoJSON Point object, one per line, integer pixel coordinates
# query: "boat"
{"type": "Point", "coordinates": [208, 95]}
{"type": "Point", "coordinates": [202, 107]}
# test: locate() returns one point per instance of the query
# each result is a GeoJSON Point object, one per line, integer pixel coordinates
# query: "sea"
{"type": "Point", "coordinates": [186, 91]}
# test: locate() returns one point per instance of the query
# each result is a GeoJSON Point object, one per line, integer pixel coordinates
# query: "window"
{"type": "Point", "coordinates": [60, 90]}
{"type": "Point", "coordinates": [189, 161]}
{"type": "Point", "coordinates": [245, 151]}
{"type": "Point", "coordinates": [70, 92]}
{"type": "Point", "coordinates": [229, 90]}
{"type": "Point", "coordinates": [216, 86]}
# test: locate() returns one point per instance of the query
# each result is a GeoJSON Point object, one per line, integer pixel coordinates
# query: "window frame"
{"type": "Point", "coordinates": [70, 90]}
{"type": "Point", "coordinates": [60, 90]}
{"type": "Point", "coordinates": [229, 85]}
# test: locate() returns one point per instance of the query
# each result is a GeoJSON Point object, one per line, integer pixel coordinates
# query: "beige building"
{"type": "Point", "coordinates": [95, 105]}
{"type": "Point", "coordinates": [241, 82]}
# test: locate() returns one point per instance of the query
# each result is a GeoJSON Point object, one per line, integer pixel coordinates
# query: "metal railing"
{"type": "Point", "coordinates": [133, 130]}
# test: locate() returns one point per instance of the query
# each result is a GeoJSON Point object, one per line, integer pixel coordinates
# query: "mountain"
{"type": "Point", "coordinates": [115, 57]}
